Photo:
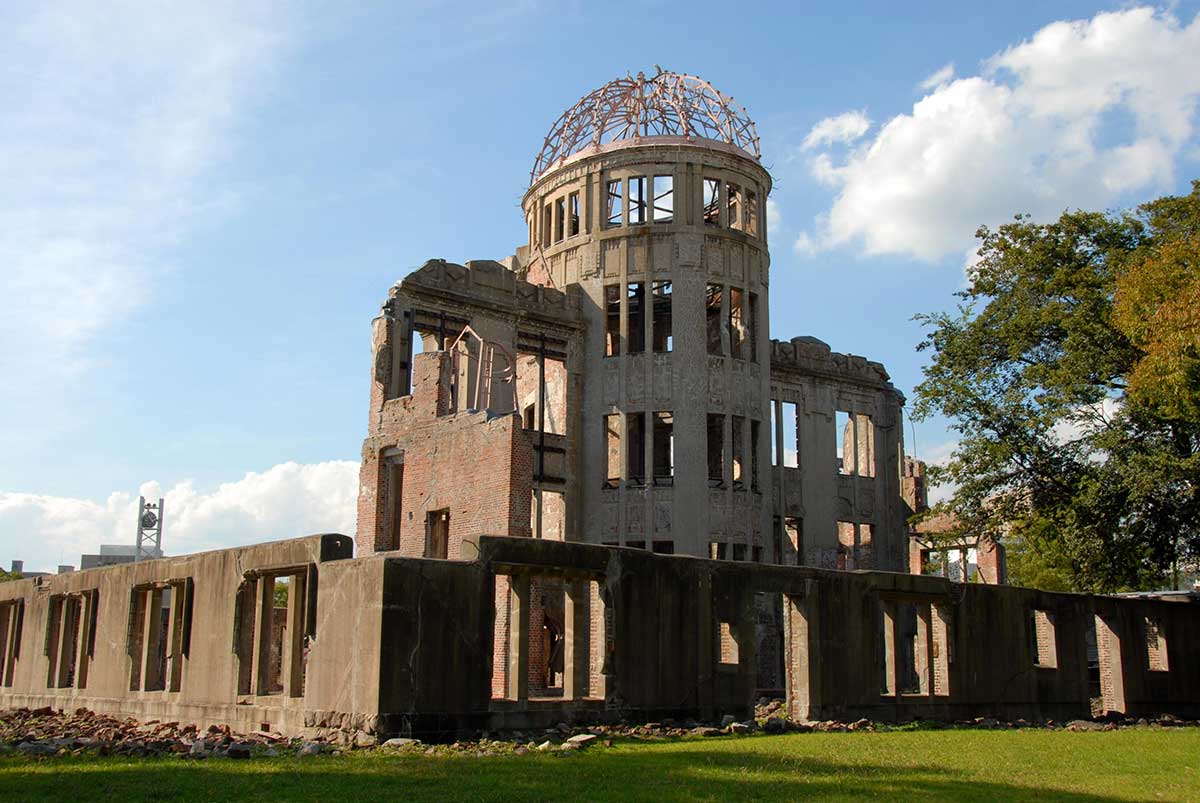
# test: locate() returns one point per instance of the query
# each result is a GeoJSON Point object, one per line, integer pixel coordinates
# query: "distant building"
{"type": "Point", "coordinates": [112, 554]}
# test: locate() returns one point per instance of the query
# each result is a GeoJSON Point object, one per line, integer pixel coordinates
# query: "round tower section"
{"type": "Point", "coordinates": [649, 200]}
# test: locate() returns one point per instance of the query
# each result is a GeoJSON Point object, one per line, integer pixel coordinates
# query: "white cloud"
{"type": "Point", "coordinates": [937, 78]}
{"type": "Point", "coordinates": [1086, 420]}
{"type": "Point", "coordinates": [1034, 133]}
{"type": "Point", "coordinates": [285, 501]}
{"type": "Point", "coordinates": [773, 216]}
{"type": "Point", "coordinates": [939, 455]}
{"type": "Point", "coordinates": [117, 115]}
{"type": "Point", "coordinates": [841, 129]}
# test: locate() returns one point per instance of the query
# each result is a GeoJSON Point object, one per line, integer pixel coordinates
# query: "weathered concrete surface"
{"type": "Point", "coordinates": [403, 646]}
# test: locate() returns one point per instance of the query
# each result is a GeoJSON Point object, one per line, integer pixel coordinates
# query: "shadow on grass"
{"type": "Point", "coordinates": [596, 775]}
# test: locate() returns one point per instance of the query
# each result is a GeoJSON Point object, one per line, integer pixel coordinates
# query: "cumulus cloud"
{"type": "Point", "coordinates": [773, 216]}
{"type": "Point", "coordinates": [843, 128]}
{"type": "Point", "coordinates": [937, 78]}
{"type": "Point", "coordinates": [285, 501]}
{"type": "Point", "coordinates": [1041, 129]}
{"type": "Point", "coordinates": [117, 115]}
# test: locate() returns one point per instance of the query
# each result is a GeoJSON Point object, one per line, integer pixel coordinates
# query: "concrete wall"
{"type": "Point", "coordinates": [406, 645]}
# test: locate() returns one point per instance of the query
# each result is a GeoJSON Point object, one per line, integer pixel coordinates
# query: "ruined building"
{"type": "Point", "coordinates": [593, 487]}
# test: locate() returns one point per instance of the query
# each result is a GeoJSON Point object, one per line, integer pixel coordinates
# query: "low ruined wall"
{"type": "Point", "coordinates": [387, 645]}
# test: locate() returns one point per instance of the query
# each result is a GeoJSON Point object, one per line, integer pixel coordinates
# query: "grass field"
{"type": "Point", "coordinates": [1127, 764]}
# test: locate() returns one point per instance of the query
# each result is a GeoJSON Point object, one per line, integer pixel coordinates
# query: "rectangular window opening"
{"type": "Point", "coordinates": [547, 225]}
{"type": "Point", "coordinates": [793, 529]}
{"type": "Point", "coordinates": [560, 209]}
{"type": "Point", "coordinates": [752, 213]}
{"type": "Point", "coordinates": [733, 206]}
{"type": "Point", "coordinates": [727, 645]}
{"type": "Point", "coordinates": [636, 448]}
{"type": "Point", "coordinates": [1042, 645]}
{"type": "Point", "coordinates": [395, 506]}
{"type": "Point", "coordinates": [1156, 645]}
{"type": "Point", "coordinates": [660, 292]}
{"type": "Point", "coordinates": [12, 614]}
{"type": "Point", "coordinates": [717, 550]}
{"type": "Point", "coordinates": [738, 436]}
{"type": "Point", "coordinates": [612, 439]}
{"type": "Point", "coordinates": [716, 450]}
{"type": "Point", "coordinates": [712, 303]}
{"type": "Point", "coordinates": [783, 428]}
{"type": "Point", "coordinates": [664, 448]}
{"type": "Point", "coordinates": [739, 552]}
{"type": "Point", "coordinates": [664, 199]}
{"type": "Point", "coordinates": [612, 203]}
{"type": "Point", "coordinates": [635, 293]}
{"type": "Point", "coordinates": [573, 214]}
{"type": "Point", "coordinates": [612, 320]}
{"type": "Point", "coordinates": [711, 201]}
{"type": "Point", "coordinates": [664, 547]}
{"type": "Point", "coordinates": [637, 199]}
{"type": "Point", "coordinates": [437, 533]}
{"type": "Point", "coordinates": [752, 326]}
{"type": "Point", "coordinates": [843, 424]}
{"type": "Point", "coordinates": [737, 323]}
{"type": "Point", "coordinates": [755, 429]}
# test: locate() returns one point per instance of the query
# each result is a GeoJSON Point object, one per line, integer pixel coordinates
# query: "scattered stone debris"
{"type": "Point", "coordinates": [44, 733]}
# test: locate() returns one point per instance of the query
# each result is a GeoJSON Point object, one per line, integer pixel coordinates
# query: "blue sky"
{"type": "Point", "coordinates": [206, 203]}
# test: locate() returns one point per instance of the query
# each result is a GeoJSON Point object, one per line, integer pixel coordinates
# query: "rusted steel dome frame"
{"type": "Point", "coordinates": [665, 105]}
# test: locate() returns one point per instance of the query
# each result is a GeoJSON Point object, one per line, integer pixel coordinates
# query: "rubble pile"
{"type": "Point", "coordinates": [46, 732]}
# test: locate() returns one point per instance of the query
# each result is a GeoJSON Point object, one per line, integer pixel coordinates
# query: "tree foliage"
{"type": "Point", "coordinates": [1089, 469]}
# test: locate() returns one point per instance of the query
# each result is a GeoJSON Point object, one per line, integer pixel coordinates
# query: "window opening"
{"type": "Point", "coordinates": [733, 206]}
{"type": "Point", "coordinates": [752, 213]}
{"type": "Point", "coordinates": [717, 550]}
{"type": "Point", "coordinates": [737, 323]}
{"type": "Point", "coordinates": [752, 326]}
{"type": "Point", "coordinates": [636, 449]}
{"type": "Point", "coordinates": [1041, 639]}
{"type": "Point", "coordinates": [716, 450]}
{"type": "Point", "coordinates": [738, 435]}
{"type": "Point", "coordinates": [573, 211]}
{"type": "Point", "coordinates": [274, 621]}
{"type": "Point", "coordinates": [437, 528]}
{"type": "Point", "coordinates": [612, 437]}
{"type": "Point", "coordinates": [395, 506]}
{"type": "Point", "coordinates": [784, 425]}
{"type": "Point", "coordinates": [637, 199]}
{"type": "Point", "coordinates": [727, 645]}
{"type": "Point", "coordinates": [664, 547]}
{"type": "Point", "coordinates": [12, 615]}
{"type": "Point", "coordinates": [664, 448]}
{"type": "Point", "coordinates": [547, 224]}
{"type": "Point", "coordinates": [754, 432]}
{"type": "Point", "coordinates": [793, 530]}
{"type": "Point", "coordinates": [660, 293]}
{"type": "Point", "coordinates": [529, 420]}
{"type": "Point", "coordinates": [612, 202]}
{"type": "Point", "coordinates": [612, 320]}
{"type": "Point", "coordinates": [664, 199]}
{"type": "Point", "coordinates": [1156, 645]}
{"type": "Point", "coordinates": [739, 552]}
{"type": "Point", "coordinates": [843, 424]}
{"type": "Point", "coordinates": [713, 319]}
{"type": "Point", "coordinates": [559, 219]}
{"type": "Point", "coordinates": [635, 544]}
{"type": "Point", "coordinates": [711, 201]}
{"type": "Point", "coordinates": [636, 299]}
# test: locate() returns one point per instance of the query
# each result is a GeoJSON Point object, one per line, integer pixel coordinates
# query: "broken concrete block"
{"type": "Point", "coordinates": [582, 739]}
{"type": "Point", "coordinates": [400, 742]}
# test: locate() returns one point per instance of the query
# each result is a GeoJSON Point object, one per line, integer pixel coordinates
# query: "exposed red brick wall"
{"type": "Point", "coordinates": [479, 469]}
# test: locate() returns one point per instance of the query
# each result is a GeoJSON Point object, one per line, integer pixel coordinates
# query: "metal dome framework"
{"type": "Point", "coordinates": [631, 108]}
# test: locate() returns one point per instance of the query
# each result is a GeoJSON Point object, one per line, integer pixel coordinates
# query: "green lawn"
{"type": "Point", "coordinates": [1128, 764]}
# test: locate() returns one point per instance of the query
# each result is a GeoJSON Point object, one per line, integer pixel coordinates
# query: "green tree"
{"type": "Point", "coordinates": [5, 576]}
{"type": "Point", "coordinates": [1093, 486]}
